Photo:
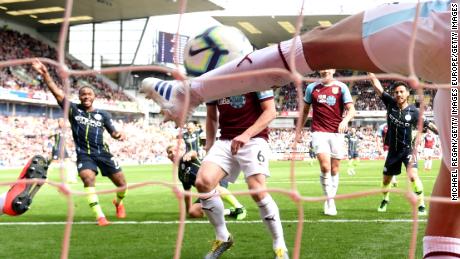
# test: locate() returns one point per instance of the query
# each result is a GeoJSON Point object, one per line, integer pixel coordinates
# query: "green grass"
{"type": "Point", "coordinates": [361, 238]}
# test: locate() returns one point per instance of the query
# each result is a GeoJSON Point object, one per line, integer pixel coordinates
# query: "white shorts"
{"type": "Point", "coordinates": [387, 32]}
{"type": "Point", "coordinates": [252, 158]}
{"type": "Point", "coordinates": [428, 152]}
{"type": "Point", "coordinates": [329, 143]}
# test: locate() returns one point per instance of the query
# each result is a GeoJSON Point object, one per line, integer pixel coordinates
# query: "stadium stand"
{"type": "Point", "coordinates": [16, 45]}
{"type": "Point", "coordinates": [26, 134]}
{"type": "Point", "coordinates": [361, 91]}
{"type": "Point", "coordinates": [23, 81]}
{"type": "Point", "coordinates": [281, 143]}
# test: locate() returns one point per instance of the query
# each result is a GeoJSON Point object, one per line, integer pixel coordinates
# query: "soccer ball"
{"type": "Point", "coordinates": [214, 47]}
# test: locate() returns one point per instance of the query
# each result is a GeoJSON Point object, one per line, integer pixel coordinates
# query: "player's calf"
{"type": "Point", "coordinates": [20, 195]}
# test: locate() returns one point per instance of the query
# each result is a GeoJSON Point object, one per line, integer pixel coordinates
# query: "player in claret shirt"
{"type": "Point", "coordinates": [242, 146]}
{"type": "Point", "coordinates": [330, 100]}
{"type": "Point", "coordinates": [429, 142]}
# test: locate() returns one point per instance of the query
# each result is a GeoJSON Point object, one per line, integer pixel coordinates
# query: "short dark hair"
{"type": "Point", "coordinates": [169, 147]}
{"type": "Point", "coordinates": [399, 83]}
{"type": "Point", "coordinates": [87, 86]}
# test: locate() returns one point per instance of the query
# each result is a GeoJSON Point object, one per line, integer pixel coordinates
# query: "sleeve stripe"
{"type": "Point", "coordinates": [308, 92]}
{"type": "Point", "coordinates": [265, 94]}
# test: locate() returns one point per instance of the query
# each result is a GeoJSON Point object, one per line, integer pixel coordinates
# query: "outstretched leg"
{"type": "Point", "coordinates": [18, 199]}
{"type": "Point", "coordinates": [338, 46]}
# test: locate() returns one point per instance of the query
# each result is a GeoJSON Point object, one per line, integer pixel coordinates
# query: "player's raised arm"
{"type": "Point", "coordinates": [40, 68]}
{"type": "Point", "coordinates": [378, 88]}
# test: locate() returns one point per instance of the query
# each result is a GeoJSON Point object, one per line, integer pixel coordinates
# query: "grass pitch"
{"type": "Point", "coordinates": [150, 230]}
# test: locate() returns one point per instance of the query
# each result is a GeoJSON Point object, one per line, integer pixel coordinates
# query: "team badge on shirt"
{"type": "Point", "coordinates": [238, 101]}
{"type": "Point", "coordinates": [335, 90]}
{"type": "Point", "coordinates": [97, 117]}
{"type": "Point", "coordinates": [330, 100]}
{"type": "Point", "coordinates": [407, 117]}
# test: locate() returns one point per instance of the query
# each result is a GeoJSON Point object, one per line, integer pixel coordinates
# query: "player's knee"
{"type": "Point", "coordinates": [325, 168]}
{"type": "Point", "coordinates": [258, 196]}
{"type": "Point", "coordinates": [119, 181]}
{"type": "Point", "coordinates": [203, 184]}
{"type": "Point", "coordinates": [195, 212]}
{"type": "Point", "coordinates": [88, 180]}
{"type": "Point", "coordinates": [334, 169]}
{"type": "Point", "coordinates": [387, 179]}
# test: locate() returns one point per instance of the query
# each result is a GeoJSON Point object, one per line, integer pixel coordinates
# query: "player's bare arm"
{"type": "Point", "coordinates": [119, 135]}
{"type": "Point", "coordinates": [378, 88]}
{"type": "Point", "coordinates": [350, 113]}
{"type": "Point", "coordinates": [211, 126]}
{"type": "Point", "coordinates": [188, 201]}
{"type": "Point", "coordinates": [306, 110]}
{"type": "Point", "coordinates": [268, 115]}
{"type": "Point", "coordinates": [40, 68]}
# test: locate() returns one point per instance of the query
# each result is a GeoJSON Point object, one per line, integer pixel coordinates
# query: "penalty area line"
{"type": "Point", "coordinates": [206, 222]}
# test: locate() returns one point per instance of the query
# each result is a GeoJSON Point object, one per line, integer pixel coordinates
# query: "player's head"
{"type": "Point", "coordinates": [171, 152]}
{"type": "Point", "coordinates": [353, 130]}
{"type": "Point", "coordinates": [86, 94]}
{"type": "Point", "coordinates": [191, 127]}
{"type": "Point", "coordinates": [327, 75]}
{"type": "Point", "coordinates": [401, 92]}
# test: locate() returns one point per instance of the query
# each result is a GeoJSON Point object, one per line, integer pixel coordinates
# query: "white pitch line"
{"type": "Point", "coordinates": [206, 222]}
{"type": "Point", "coordinates": [377, 182]}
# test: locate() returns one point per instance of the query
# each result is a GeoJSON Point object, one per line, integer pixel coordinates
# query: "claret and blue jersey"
{"type": "Point", "coordinates": [328, 101]}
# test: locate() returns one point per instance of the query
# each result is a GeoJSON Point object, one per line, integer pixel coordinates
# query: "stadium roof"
{"type": "Point", "coordinates": [35, 13]}
{"type": "Point", "coordinates": [269, 28]}
{"type": "Point", "coordinates": [265, 30]}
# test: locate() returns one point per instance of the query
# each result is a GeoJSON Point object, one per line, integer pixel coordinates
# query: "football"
{"type": "Point", "coordinates": [213, 47]}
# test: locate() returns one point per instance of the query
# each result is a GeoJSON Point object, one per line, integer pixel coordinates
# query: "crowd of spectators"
{"type": "Point", "coordinates": [370, 146]}
{"type": "Point", "coordinates": [23, 137]}
{"type": "Point", "coordinates": [362, 92]}
{"type": "Point", "coordinates": [16, 45]}
{"type": "Point", "coordinates": [283, 140]}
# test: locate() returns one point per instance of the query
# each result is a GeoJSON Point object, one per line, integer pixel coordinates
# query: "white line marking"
{"type": "Point", "coordinates": [206, 222]}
